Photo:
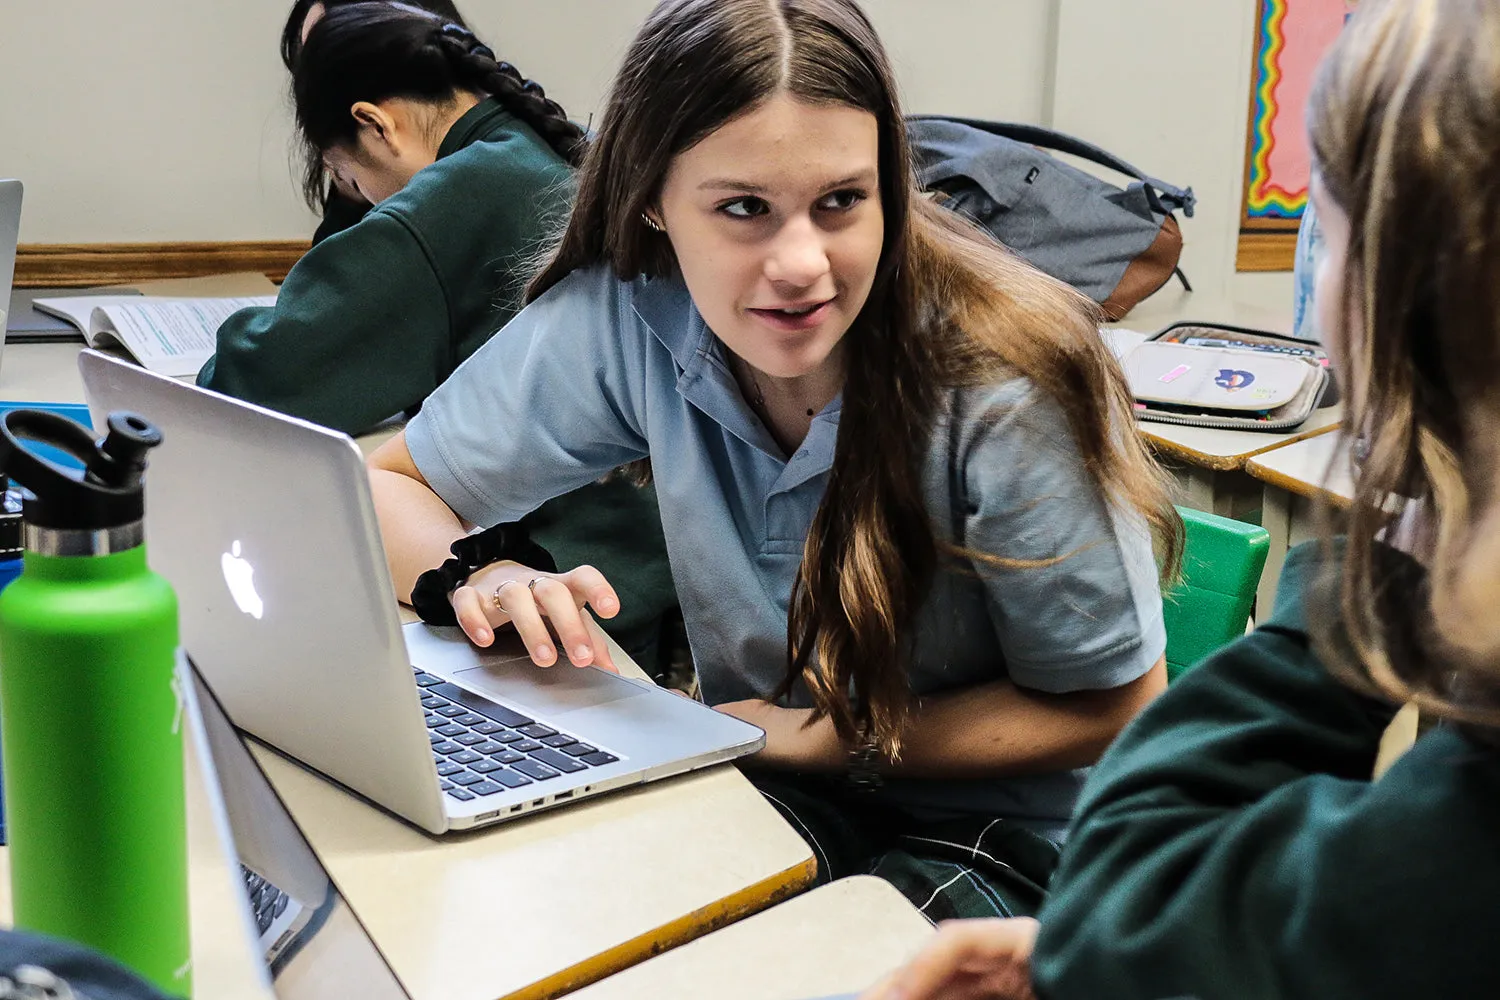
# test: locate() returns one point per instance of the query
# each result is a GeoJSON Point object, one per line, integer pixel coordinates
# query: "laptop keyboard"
{"type": "Point", "coordinates": [266, 901]}
{"type": "Point", "coordinates": [482, 748]}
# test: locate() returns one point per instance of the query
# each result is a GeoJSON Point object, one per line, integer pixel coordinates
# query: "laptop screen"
{"type": "Point", "coordinates": [10, 231]}
{"type": "Point", "coordinates": [314, 946]}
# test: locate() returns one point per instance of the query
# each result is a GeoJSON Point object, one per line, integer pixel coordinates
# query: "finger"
{"type": "Point", "coordinates": [555, 598]}
{"type": "Point", "coordinates": [590, 586]}
{"type": "Point", "coordinates": [517, 601]}
{"type": "Point", "coordinates": [963, 946]}
{"type": "Point", "coordinates": [468, 608]}
{"type": "Point", "coordinates": [603, 658]}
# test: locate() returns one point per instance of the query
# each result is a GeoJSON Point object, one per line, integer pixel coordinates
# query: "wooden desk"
{"type": "Point", "coordinates": [1295, 479]}
{"type": "Point", "coordinates": [544, 905]}
{"type": "Point", "coordinates": [1316, 468]}
{"type": "Point", "coordinates": [226, 965]}
{"type": "Point", "coordinates": [1209, 464]}
{"type": "Point", "coordinates": [536, 907]}
{"type": "Point", "coordinates": [541, 906]}
{"type": "Point", "coordinates": [839, 938]}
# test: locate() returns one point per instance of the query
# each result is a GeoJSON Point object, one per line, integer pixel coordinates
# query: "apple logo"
{"type": "Point", "coordinates": [239, 576]}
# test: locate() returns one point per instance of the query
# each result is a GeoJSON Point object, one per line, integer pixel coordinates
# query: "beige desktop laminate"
{"type": "Point", "coordinates": [839, 938]}
{"type": "Point", "coordinates": [41, 373]}
{"type": "Point", "coordinates": [1293, 481]}
{"type": "Point", "coordinates": [1318, 467]}
{"type": "Point", "coordinates": [1219, 450]}
{"type": "Point", "coordinates": [1210, 464]}
{"type": "Point", "coordinates": [225, 963]}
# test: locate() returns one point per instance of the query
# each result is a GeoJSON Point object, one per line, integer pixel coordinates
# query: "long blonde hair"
{"type": "Point", "coordinates": [949, 307]}
{"type": "Point", "coordinates": [1405, 128]}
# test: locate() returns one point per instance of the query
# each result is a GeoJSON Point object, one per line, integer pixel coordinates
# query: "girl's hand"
{"type": "Point", "coordinates": [790, 742]}
{"type": "Point", "coordinates": [968, 960]}
{"type": "Point", "coordinates": [508, 593]}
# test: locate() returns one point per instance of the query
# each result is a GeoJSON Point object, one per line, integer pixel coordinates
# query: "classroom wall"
{"type": "Point", "coordinates": [164, 120]}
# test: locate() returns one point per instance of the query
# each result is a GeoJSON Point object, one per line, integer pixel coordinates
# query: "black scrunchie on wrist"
{"type": "Point", "coordinates": [430, 596]}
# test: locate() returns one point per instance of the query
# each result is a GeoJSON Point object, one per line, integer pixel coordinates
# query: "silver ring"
{"type": "Point", "coordinates": [495, 597]}
{"type": "Point", "coordinates": [531, 584]}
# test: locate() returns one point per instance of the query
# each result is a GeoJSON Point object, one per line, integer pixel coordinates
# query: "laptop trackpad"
{"type": "Point", "coordinates": [550, 691]}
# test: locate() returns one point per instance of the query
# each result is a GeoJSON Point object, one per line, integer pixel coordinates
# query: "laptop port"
{"type": "Point", "coordinates": [562, 795]}
{"type": "Point", "coordinates": [537, 802]}
{"type": "Point", "coordinates": [484, 816]}
{"type": "Point", "coordinates": [516, 809]}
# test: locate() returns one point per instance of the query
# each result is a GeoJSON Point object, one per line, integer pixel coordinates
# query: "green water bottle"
{"type": "Point", "coordinates": [89, 718]}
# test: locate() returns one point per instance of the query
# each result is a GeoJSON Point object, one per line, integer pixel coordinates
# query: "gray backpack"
{"type": "Point", "coordinates": [1115, 245]}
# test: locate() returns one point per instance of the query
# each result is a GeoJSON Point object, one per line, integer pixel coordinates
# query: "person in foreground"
{"type": "Point", "coordinates": [1234, 842]}
{"type": "Point", "coordinates": [907, 514]}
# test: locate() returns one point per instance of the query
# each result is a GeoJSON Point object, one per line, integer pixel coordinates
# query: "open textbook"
{"type": "Point", "coordinates": [173, 336]}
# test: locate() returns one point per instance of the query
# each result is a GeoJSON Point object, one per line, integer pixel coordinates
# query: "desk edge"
{"type": "Point", "coordinates": [1224, 463]}
{"type": "Point", "coordinates": [750, 900]}
{"type": "Point", "coordinates": [1282, 481]}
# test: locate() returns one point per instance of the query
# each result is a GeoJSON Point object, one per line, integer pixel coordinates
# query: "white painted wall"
{"type": "Point", "coordinates": [167, 119]}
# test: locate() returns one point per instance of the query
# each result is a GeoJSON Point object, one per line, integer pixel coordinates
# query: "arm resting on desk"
{"type": "Point", "coordinates": [991, 730]}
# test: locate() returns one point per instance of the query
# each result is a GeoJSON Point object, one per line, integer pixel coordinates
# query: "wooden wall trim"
{"type": "Point", "coordinates": [77, 265]}
{"type": "Point", "coordinates": [1266, 251]}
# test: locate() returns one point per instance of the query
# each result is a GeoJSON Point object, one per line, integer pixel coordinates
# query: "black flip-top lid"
{"type": "Point", "coordinates": [107, 493]}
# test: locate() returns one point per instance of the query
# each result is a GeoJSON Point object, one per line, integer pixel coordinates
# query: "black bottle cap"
{"type": "Point", "coordinates": [108, 493]}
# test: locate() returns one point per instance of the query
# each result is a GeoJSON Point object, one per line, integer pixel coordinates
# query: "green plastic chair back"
{"type": "Point", "coordinates": [1221, 566]}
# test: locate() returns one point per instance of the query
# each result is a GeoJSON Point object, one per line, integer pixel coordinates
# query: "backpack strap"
{"type": "Point", "coordinates": [1171, 196]}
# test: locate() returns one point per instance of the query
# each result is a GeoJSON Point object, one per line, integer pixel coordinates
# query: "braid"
{"type": "Point", "coordinates": [474, 65]}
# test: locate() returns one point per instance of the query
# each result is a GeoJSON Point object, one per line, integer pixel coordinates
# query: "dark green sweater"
{"type": "Point", "coordinates": [1232, 845]}
{"type": "Point", "coordinates": [373, 318]}
{"type": "Point", "coordinates": [376, 316]}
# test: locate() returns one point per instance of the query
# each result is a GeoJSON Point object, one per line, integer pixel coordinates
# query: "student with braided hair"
{"type": "Point", "coordinates": [468, 166]}
{"type": "Point", "coordinates": [339, 209]}
{"type": "Point", "coordinates": [469, 169]}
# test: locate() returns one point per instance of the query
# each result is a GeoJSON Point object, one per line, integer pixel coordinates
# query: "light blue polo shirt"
{"type": "Point", "coordinates": [599, 372]}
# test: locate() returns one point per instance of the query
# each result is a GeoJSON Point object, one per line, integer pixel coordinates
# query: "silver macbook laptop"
{"type": "Point", "coordinates": [10, 232]}
{"type": "Point", "coordinates": [265, 526]}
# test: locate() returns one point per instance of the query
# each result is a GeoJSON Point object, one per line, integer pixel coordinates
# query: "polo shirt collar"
{"type": "Point", "coordinates": [705, 380]}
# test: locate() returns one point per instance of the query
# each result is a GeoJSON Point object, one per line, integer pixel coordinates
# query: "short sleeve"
{"type": "Point", "coordinates": [549, 403]}
{"type": "Point", "coordinates": [1072, 585]}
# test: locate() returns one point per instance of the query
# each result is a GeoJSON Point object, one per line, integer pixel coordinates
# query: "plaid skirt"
{"type": "Point", "coordinates": [973, 866]}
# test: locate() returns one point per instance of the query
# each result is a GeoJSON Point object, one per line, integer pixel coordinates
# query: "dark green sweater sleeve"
{"type": "Point", "coordinates": [1232, 844]}
{"type": "Point", "coordinates": [359, 332]}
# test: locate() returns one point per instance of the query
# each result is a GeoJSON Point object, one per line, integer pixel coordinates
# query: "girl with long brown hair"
{"type": "Point", "coordinates": [908, 516]}
{"type": "Point", "coordinates": [1234, 842]}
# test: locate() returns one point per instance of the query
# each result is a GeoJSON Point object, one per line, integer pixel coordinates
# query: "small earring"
{"type": "Point", "coordinates": [652, 223]}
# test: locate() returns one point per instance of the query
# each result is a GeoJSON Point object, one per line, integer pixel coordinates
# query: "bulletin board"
{"type": "Point", "coordinates": [1291, 37]}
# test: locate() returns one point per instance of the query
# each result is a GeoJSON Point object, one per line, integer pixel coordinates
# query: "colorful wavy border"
{"type": "Point", "coordinates": [1264, 199]}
